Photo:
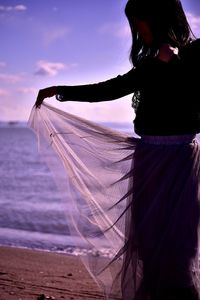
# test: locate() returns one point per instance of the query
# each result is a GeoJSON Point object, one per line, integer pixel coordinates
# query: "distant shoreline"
{"type": "Point", "coordinates": [13, 123]}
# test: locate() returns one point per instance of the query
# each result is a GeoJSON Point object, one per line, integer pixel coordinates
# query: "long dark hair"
{"type": "Point", "coordinates": [167, 22]}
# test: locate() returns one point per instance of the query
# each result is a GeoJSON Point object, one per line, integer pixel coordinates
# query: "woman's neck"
{"type": "Point", "coordinates": [166, 52]}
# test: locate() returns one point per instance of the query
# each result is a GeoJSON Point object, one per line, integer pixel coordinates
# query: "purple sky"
{"type": "Point", "coordinates": [58, 42]}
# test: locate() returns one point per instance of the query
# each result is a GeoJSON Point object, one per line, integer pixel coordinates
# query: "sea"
{"type": "Point", "coordinates": [31, 210]}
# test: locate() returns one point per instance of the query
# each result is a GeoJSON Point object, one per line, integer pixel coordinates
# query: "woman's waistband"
{"type": "Point", "coordinates": [168, 139]}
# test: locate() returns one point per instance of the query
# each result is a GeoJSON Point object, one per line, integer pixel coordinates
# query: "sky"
{"type": "Point", "coordinates": [66, 42]}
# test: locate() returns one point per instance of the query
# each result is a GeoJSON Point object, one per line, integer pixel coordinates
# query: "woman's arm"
{"type": "Point", "coordinates": [111, 89]}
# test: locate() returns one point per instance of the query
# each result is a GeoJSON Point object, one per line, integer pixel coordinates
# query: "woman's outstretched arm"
{"type": "Point", "coordinates": [111, 89]}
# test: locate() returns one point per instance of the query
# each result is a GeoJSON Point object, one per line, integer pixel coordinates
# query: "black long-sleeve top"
{"type": "Point", "coordinates": [169, 102]}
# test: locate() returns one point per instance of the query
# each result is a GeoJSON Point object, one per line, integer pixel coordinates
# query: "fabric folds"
{"type": "Point", "coordinates": [137, 198]}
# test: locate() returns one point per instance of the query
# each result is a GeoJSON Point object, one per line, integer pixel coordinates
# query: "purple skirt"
{"type": "Point", "coordinates": [137, 197]}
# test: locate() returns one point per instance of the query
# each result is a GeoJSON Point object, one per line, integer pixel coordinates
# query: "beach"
{"type": "Point", "coordinates": [28, 274]}
{"type": "Point", "coordinates": [35, 215]}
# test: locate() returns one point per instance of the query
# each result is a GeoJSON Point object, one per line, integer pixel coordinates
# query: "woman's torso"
{"type": "Point", "coordinates": [169, 97]}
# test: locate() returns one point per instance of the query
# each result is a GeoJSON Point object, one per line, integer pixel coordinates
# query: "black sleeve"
{"type": "Point", "coordinates": [191, 53]}
{"type": "Point", "coordinates": [197, 53]}
{"type": "Point", "coordinates": [111, 89]}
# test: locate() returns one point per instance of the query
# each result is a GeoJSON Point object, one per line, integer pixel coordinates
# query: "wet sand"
{"type": "Point", "coordinates": [31, 274]}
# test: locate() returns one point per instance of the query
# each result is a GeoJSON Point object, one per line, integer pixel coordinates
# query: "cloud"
{"type": "Point", "coordinates": [2, 64]}
{"type": "Point", "coordinates": [18, 7]}
{"type": "Point", "coordinates": [45, 68]}
{"type": "Point", "coordinates": [194, 22]}
{"type": "Point", "coordinates": [9, 78]}
{"type": "Point", "coordinates": [27, 90]}
{"type": "Point", "coordinates": [4, 93]}
{"type": "Point", "coordinates": [115, 29]}
{"type": "Point", "coordinates": [54, 34]}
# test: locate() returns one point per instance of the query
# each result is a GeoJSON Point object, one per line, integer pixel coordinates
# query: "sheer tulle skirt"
{"type": "Point", "coordinates": [137, 197]}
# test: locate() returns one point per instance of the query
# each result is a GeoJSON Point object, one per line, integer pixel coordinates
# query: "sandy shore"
{"type": "Point", "coordinates": [27, 274]}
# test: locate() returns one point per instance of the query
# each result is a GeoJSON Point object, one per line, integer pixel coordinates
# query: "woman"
{"type": "Point", "coordinates": [140, 194]}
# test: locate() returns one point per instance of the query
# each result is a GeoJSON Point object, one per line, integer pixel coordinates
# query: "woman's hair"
{"type": "Point", "coordinates": [167, 21]}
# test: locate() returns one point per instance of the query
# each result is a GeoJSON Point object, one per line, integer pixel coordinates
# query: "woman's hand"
{"type": "Point", "coordinates": [45, 93]}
